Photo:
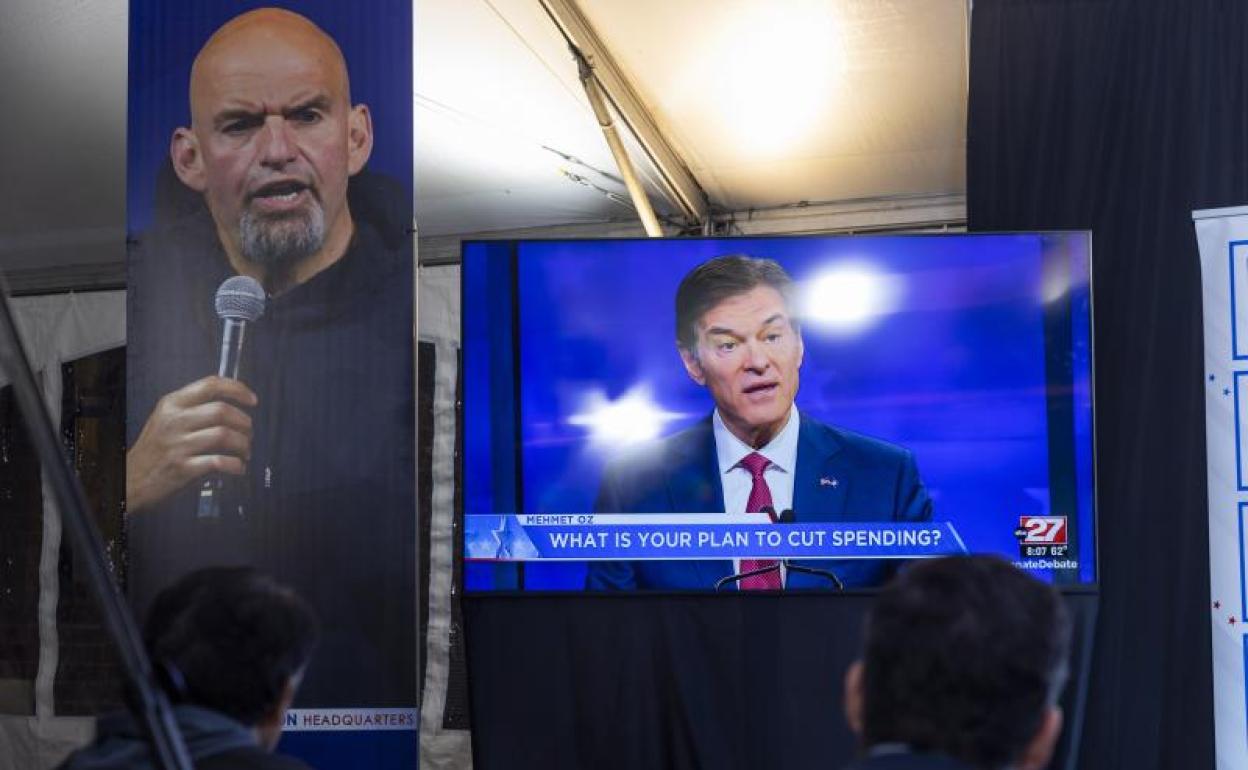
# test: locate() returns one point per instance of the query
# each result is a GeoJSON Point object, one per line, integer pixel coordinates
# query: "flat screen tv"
{"type": "Point", "coordinates": [774, 413]}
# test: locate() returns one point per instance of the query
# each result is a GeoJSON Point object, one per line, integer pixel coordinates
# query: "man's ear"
{"type": "Point", "coordinates": [359, 138]}
{"type": "Point", "coordinates": [1039, 750]}
{"type": "Point", "coordinates": [188, 161]}
{"type": "Point", "coordinates": [853, 697]}
{"type": "Point", "coordinates": [692, 365]}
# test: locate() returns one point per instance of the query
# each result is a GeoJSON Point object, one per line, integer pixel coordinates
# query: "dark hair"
{"type": "Point", "coordinates": [229, 638]}
{"type": "Point", "coordinates": [716, 280]}
{"type": "Point", "coordinates": [963, 656]}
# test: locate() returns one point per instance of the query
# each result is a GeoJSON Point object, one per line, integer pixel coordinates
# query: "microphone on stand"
{"type": "Point", "coordinates": [774, 567]}
{"type": "Point", "coordinates": [719, 584]}
{"type": "Point", "coordinates": [787, 517]}
{"type": "Point", "coordinates": [239, 301]}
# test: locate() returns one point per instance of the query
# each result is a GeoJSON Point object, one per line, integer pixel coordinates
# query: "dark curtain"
{"type": "Point", "coordinates": [677, 681]}
{"type": "Point", "coordinates": [1121, 116]}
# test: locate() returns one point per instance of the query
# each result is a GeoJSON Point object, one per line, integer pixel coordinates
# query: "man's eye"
{"type": "Point", "coordinates": [242, 126]}
{"type": "Point", "coordinates": [307, 117]}
{"type": "Point", "coordinates": [773, 337]}
{"type": "Point", "coordinates": [726, 347]}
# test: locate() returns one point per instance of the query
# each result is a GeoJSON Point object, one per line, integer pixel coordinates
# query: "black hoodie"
{"type": "Point", "coordinates": [328, 505]}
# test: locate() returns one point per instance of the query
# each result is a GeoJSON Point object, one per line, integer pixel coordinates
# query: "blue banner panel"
{"type": "Point", "coordinates": [270, 359]}
{"type": "Point", "coordinates": [353, 739]}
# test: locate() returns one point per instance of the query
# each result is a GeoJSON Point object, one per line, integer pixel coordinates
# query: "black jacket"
{"type": "Point", "coordinates": [214, 741]}
{"type": "Point", "coordinates": [328, 505]}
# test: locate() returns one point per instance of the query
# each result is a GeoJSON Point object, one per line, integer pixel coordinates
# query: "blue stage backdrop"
{"type": "Point", "coordinates": [972, 351]}
{"type": "Point", "coordinates": [327, 501]}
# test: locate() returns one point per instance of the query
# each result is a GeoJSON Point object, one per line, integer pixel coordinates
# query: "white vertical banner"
{"type": "Point", "coordinates": [1223, 238]}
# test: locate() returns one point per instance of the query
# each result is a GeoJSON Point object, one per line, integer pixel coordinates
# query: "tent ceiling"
{"type": "Point", "coordinates": [825, 100]}
{"type": "Point", "coordinates": [499, 110]}
{"type": "Point", "coordinates": [769, 103]}
{"type": "Point", "coordinates": [64, 136]}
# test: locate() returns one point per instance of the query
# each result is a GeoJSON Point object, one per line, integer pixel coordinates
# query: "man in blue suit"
{"type": "Point", "coordinates": [738, 338]}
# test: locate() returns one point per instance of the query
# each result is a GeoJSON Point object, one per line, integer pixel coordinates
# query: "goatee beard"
{"type": "Point", "coordinates": [281, 242]}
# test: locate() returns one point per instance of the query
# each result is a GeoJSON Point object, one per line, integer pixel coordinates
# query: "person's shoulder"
{"type": "Point", "coordinates": [382, 203]}
{"type": "Point", "coordinates": [173, 257]}
{"type": "Point", "coordinates": [251, 758]}
{"type": "Point", "coordinates": [868, 447]}
{"type": "Point", "coordinates": [188, 233]}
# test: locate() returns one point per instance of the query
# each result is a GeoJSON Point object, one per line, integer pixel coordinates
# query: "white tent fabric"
{"type": "Point", "coordinates": [438, 315]}
{"type": "Point", "coordinates": [55, 329]}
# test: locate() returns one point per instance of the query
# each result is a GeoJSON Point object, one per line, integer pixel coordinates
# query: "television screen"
{"type": "Point", "coordinates": [774, 413]}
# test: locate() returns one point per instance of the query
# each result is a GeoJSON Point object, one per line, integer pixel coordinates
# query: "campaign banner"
{"type": "Point", "coordinates": [1223, 238]}
{"type": "Point", "coordinates": [270, 359]}
{"type": "Point", "coordinates": [692, 536]}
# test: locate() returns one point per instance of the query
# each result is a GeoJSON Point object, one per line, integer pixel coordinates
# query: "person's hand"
{"type": "Point", "coordinates": [192, 432]}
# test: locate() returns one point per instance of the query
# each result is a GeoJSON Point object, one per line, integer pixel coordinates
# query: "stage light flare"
{"type": "Point", "coordinates": [632, 418]}
{"type": "Point", "coordinates": [1054, 287]}
{"type": "Point", "coordinates": [849, 298]}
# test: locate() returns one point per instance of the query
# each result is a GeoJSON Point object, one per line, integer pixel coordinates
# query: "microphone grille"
{"type": "Point", "coordinates": [240, 297]}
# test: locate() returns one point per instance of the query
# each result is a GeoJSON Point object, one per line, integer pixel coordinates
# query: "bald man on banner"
{"type": "Point", "coordinates": [314, 440]}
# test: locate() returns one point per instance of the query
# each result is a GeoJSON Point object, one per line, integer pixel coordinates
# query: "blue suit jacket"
{"type": "Point", "coordinates": [874, 481]}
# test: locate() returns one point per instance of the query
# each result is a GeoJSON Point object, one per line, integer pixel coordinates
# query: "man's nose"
{"type": "Point", "coordinates": [755, 356]}
{"type": "Point", "coordinates": [279, 144]}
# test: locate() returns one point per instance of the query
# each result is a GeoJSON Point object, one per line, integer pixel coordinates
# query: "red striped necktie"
{"type": "Point", "coordinates": [760, 498]}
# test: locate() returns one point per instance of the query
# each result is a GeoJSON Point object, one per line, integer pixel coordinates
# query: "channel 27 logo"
{"type": "Point", "coordinates": [1041, 536]}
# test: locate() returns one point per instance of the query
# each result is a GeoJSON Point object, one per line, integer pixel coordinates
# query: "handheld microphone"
{"type": "Point", "coordinates": [788, 517]}
{"type": "Point", "coordinates": [239, 301]}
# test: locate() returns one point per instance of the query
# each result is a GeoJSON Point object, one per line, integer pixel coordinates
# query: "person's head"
{"type": "Point", "coordinates": [738, 336]}
{"type": "Point", "coordinates": [272, 141]}
{"type": "Point", "coordinates": [233, 640]}
{"type": "Point", "coordinates": [963, 656]}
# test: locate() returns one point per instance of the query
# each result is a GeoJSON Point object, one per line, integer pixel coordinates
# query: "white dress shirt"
{"type": "Point", "coordinates": [737, 481]}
